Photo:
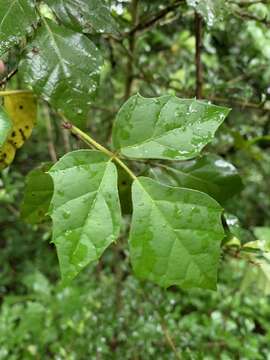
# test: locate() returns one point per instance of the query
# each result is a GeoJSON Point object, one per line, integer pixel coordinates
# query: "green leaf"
{"type": "Point", "coordinates": [262, 233]}
{"type": "Point", "coordinates": [210, 174]}
{"type": "Point", "coordinates": [16, 19]}
{"type": "Point", "coordinates": [84, 15]}
{"type": "Point", "coordinates": [37, 195]}
{"type": "Point", "coordinates": [5, 126]}
{"type": "Point", "coordinates": [85, 209]}
{"type": "Point", "coordinates": [258, 274]}
{"type": "Point", "coordinates": [236, 233]}
{"type": "Point", "coordinates": [124, 188]}
{"type": "Point", "coordinates": [165, 127]}
{"type": "Point", "coordinates": [63, 67]}
{"type": "Point", "coordinates": [211, 10]}
{"type": "Point", "coordinates": [175, 235]}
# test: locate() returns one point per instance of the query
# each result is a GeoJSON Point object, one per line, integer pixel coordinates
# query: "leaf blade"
{"type": "Point", "coordinates": [16, 19]}
{"type": "Point", "coordinates": [210, 174]}
{"type": "Point", "coordinates": [63, 67]}
{"type": "Point", "coordinates": [84, 16]}
{"type": "Point", "coordinates": [166, 127]}
{"type": "Point", "coordinates": [168, 243]}
{"type": "Point", "coordinates": [37, 195]}
{"type": "Point", "coordinates": [86, 214]}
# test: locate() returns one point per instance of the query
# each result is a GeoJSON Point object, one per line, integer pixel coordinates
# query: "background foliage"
{"type": "Point", "coordinates": [106, 313]}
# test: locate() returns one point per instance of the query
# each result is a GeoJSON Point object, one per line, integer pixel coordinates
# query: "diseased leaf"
{"type": "Point", "coordinates": [85, 209]}
{"type": "Point", "coordinates": [37, 195]}
{"type": "Point", "coordinates": [16, 19]}
{"type": "Point", "coordinates": [22, 110]}
{"type": "Point", "coordinates": [5, 126]}
{"type": "Point", "coordinates": [210, 174]}
{"type": "Point", "coordinates": [165, 127]}
{"type": "Point", "coordinates": [211, 10]}
{"type": "Point", "coordinates": [63, 67]}
{"type": "Point", "coordinates": [175, 235]}
{"type": "Point", "coordinates": [87, 16]}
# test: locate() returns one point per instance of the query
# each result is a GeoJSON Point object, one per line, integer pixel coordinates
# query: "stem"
{"type": "Point", "coordinates": [199, 69]}
{"type": "Point", "coordinates": [90, 141]}
{"type": "Point", "coordinates": [132, 47]}
{"type": "Point", "coordinates": [14, 92]}
{"type": "Point", "coordinates": [8, 77]}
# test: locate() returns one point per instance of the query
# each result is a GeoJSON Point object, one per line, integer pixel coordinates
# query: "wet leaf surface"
{"type": "Point", "coordinates": [84, 15]}
{"type": "Point", "coordinates": [165, 127]}
{"type": "Point", "coordinates": [85, 209]}
{"type": "Point", "coordinates": [63, 67]}
{"type": "Point", "coordinates": [175, 235]}
{"type": "Point", "coordinates": [16, 20]}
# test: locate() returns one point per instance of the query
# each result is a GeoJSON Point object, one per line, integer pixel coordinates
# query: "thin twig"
{"type": "Point", "coordinates": [248, 16]}
{"type": "Point", "coordinates": [155, 18]}
{"type": "Point", "coordinates": [169, 339]}
{"type": "Point", "coordinates": [132, 46]}
{"type": "Point", "coordinates": [93, 143]}
{"type": "Point", "coordinates": [51, 147]}
{"type": "Point", "coordinates": [198, 61]}
{"type": "Point", "coordinates": [8, 77]}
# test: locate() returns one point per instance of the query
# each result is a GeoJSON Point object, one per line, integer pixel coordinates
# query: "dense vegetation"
{"type": "Point", "coordinates": [175, 98]}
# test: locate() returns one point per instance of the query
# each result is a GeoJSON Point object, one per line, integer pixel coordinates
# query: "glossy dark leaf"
{"type": "Point", "coordinates": [210, 174]}
{"type": "Point", "coordinates": [175, 235]}
{"type": "Point", "coordinates": [85, 209]}
{"type": "Point", "coordinates": [16, 19]}
{"type": "Point", "coordinates": [63, 67]}
{"type": "Point", "coordinates": [87, 16]}
{"type": "Point", "coordinates": [37, 195]}
{"type": "Point", "coordinates": [166, 127]}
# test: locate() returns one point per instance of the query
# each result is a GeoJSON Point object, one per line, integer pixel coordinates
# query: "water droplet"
{"type": "Point", "coordinates": [66, 214]}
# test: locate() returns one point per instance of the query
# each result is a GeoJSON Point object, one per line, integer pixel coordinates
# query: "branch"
{"type": "Point", "coordinates": [8, 77]}
{"type": "Point", "coordinates": [51, 147]}
{"type": "Point", "coordinates": [249, 16]}
{"type": "Point", "coordinates": [155, 18]}
{"type": "Point", "coordinates": [132, 45]}
{"type": "Point", "coordinates": [248, 3]}
{"type": "Point", "coordinates": [198, 62]}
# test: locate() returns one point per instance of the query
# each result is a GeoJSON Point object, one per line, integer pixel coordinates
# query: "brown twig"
{"type": "Point", "coordinates": [155, 18]}
{"type": "Point", "coordinates": [51, 147]}
{"type": "Point", "coordinates": [198, 62]}
{"type": "Point", "coordinates": [248, 16]}
{"type": "Point", "coordinates": [8, 77]}
{"type": "Point", "coordinates": [132, 46]}
{"type": "Point", "coordinates": [169, 339]}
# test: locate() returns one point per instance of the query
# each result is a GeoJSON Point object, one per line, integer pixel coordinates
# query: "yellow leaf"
{"type": "Point", "coordinates": [22, 110]}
